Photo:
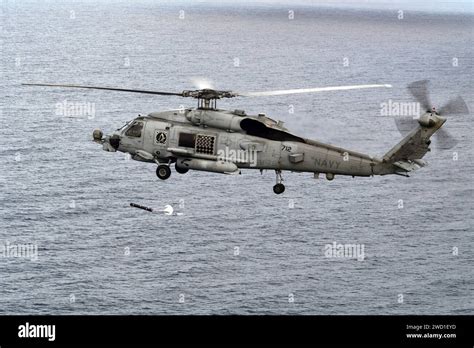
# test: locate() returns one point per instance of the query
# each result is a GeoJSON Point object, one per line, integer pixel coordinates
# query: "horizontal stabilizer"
{"type": "Point", "coordinates": [410, 165]}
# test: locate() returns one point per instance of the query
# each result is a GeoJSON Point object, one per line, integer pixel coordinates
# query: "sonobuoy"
{"type": "Point", "coordinates": [141, 207]}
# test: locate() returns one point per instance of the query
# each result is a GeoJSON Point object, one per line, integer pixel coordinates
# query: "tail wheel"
{"type": "Point", "coordinates": [180, 170]}
{"type": "Point", "coordinates": [279, 188]}
{"type": "Point", "coordinates": [163, 172]}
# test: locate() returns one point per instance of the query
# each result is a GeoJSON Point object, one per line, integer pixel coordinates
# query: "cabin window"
{"type": "Point", "coordinates": [187, 140]}
{"type": "Point", "coordinates": [135, 131]}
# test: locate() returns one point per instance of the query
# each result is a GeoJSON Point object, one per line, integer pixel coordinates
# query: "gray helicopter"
{"type": "Point", "coordinates": [210, 139]}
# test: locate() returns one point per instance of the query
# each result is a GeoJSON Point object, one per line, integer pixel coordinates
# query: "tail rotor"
{"type": "Point", "coordinates": [420, 91]}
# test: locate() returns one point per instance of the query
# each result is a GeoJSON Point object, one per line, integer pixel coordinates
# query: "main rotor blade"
{"type": "Point", "coordinates": [105, 88]}
{"type": "Point", "coordinates": [309, 90]}
{"type": "Point", "coordinates": [419, 90]}
{"type": "Point", "coordinates": [454, 106]}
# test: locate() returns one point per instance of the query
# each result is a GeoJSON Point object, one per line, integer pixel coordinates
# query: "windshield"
{"type": "Point", "coordinates": [125, 125]}
{"type": "Point", "coordinates": [135, 131]}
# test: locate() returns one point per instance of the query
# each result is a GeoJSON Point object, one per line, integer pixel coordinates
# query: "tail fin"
{"type": "Point", "coordinates": [408, 153]}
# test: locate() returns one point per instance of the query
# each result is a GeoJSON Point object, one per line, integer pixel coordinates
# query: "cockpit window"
{"type": "Point", "coordinates": [135, 130]}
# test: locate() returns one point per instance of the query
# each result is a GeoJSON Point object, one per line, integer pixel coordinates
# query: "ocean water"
{"type": "Point", "coordinates": [235, 247]}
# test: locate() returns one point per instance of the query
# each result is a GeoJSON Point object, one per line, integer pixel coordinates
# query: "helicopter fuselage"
{"type": "Point", "coordinates": [225, 141]}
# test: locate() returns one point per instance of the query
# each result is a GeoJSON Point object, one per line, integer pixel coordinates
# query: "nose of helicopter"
{"type": "Point", "coordinates": [114, 141]}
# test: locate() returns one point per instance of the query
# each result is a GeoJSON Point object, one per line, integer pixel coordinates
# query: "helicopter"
{"type": "Point", "coordinates": [225, 141]}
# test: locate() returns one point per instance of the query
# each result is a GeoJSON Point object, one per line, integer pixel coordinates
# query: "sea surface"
{"type": "Point", "coordinates": [232, 246]}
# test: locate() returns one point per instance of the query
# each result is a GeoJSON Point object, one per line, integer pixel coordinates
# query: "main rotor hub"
{"type": "Point", "coordinates": [207, 97]}
{"type": "Point", "coordinates": [208, 94]}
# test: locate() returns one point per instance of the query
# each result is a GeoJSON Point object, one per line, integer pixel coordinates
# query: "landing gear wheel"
{"type": "Point", "coordinates": [163, 171]}
{"type": "Point", "coordinates": [279, 188]}
{"type": "Point", "coordinates": [180, 170]}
